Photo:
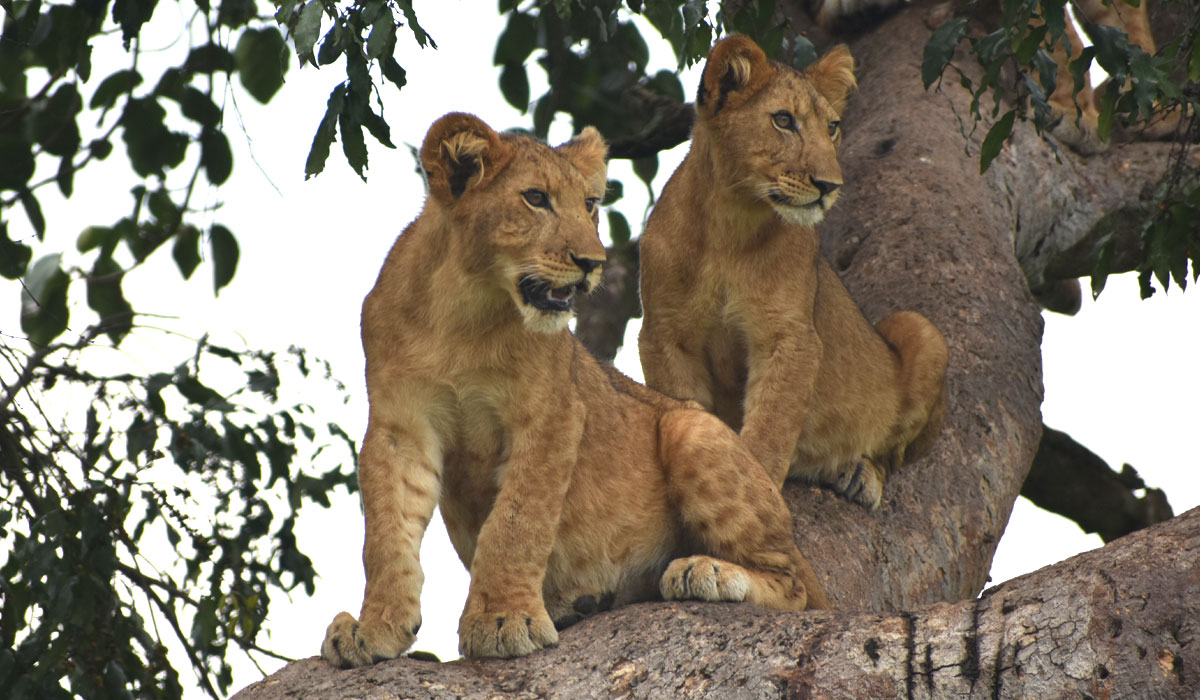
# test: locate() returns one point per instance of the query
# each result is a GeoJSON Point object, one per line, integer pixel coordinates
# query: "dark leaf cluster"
{"type": "Point", "coordinates": [92, 499]}
{"type": "Point", "coordinates": [1019, 74]}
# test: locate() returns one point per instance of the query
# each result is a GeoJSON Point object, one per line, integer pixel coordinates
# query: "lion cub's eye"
{"type": "Point", "coordinates": [537, 199]}
{"type": "Point", "coordinates": [834, 128]}
{"type": "Point", "coordinates": [784, 120]}
{"type": "Point", "coordinates": [590, 203]}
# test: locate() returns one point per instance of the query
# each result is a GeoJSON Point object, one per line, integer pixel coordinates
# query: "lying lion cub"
{"type": "Point", "coordinates": [741, 312]}
{"type": "Point", "coordinates": [566, 487]}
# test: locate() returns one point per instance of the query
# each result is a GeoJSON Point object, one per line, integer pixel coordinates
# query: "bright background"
{"type": "Point", "coordinates": [1120, 377]}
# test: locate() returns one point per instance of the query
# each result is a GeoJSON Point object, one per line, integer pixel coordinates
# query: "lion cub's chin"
{"type": "Point", "coordinates": [810, 215]}
{"type": "Point", "coordinates": [540, 321]}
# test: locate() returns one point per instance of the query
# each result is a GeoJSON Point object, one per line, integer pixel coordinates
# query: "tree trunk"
{"type": "Point", "coordinates": [916, 228]}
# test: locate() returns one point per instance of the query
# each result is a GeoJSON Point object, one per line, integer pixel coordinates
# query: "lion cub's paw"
{"type": "Point", "coordinates": [861, 482]}
{"type": "Point", "coordinates": [505, 634]}
{"type": "Point", "coordinates": [704, 578]}
{"type": "Point", "coordinates": [349, 643]}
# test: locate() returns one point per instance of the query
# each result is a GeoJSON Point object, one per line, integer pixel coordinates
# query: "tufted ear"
{"type": "Point", "coordinates": [588, 152]}
{"type": "Point", "coordinates": [833, 76]}
{"type": "Point", "coordinates": [735, 70]}
{"type": "Point", "coordinates": [460, 152]}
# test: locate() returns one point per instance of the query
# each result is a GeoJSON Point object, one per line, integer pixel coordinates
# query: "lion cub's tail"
{"type": "Point", "coordinates": [924, 356]}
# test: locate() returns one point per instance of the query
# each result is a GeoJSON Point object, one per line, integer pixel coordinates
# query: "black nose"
{"type": "Point", "coordinates": [586, 264]}
{"type": "Point", "coordinates": [824, 186]}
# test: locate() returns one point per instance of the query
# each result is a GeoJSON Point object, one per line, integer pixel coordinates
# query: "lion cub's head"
{"type": "Point", "coordinates": [522, 215]}
{"type": "Point", "coordinates": [773, 130]}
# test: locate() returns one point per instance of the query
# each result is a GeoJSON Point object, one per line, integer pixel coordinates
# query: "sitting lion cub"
{"type": "Point", "coordinates": [741, 312]}
{"type": "Point", "coordinates": [566, 487]}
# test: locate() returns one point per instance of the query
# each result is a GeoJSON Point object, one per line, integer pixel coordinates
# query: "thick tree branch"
{"type": "Point", "coordinates": [1069, 479]}
{"type": "Point", "coordinates": [604, 314]}
{"type": "Point", "coordinates": [1102, 624]}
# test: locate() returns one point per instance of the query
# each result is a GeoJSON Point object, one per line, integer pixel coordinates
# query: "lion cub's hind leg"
{"type": "Point", "coordinates": [732, 510]}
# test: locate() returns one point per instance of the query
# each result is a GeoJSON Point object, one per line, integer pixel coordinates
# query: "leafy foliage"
{"type": "Point", "coordinates": [150, 458]}
{"type": "Point", "coordinates": [1141, 89]}
{"type": "Point", "coordinates": [101, 471]}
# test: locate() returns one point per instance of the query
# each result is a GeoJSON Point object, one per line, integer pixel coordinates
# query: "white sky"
{"type": "Point", "coordinates": [1120, 376]}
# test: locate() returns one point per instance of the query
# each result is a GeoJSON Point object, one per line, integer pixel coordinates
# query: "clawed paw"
{"type": "Point", "coordinates": [505, 634]}
{"type": "Point", "coordinates": [704, 578]}
{"type": "Point", "coordinates": [862, 483]}
{"type": "Point", "coordinates": [350, 643]}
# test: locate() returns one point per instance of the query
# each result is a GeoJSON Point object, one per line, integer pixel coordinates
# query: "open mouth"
{"type": "Point", "coordinates": [539, 294]}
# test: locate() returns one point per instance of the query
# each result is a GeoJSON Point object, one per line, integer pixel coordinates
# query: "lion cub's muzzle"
{"type": "Point", "coordinates": [542, 294]}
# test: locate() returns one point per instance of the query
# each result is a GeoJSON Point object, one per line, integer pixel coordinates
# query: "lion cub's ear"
{"type": "Point", "coordinates": [588, 152]}
{"type": "Point", "coordinates": [461, 151]}
{"type": "Point", "coordinates": [736, 69]}
{"type": "Point", "coordinates": [833, 76]}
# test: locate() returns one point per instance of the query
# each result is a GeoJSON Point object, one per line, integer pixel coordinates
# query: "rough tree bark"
{"type": "Point", "coordinates": [1103, 624]}
{"type": "Point", "coordinates": [916, 228]}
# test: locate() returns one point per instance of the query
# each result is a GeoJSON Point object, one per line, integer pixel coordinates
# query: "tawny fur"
{"type": "Point", "coordinates": [565, 487]}
{"type": "Point", "coordinates": [741, 312]}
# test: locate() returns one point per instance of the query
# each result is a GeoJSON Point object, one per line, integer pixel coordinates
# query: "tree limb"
{"type": "Point", "coordinates": [1069, 479]}
{"type": "Point", "coordinates": [1102, 624]}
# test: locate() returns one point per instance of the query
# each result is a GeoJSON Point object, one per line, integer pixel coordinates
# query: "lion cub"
{"type": "Point", "coordinates": [741, 312]}
{"type": "Point", "coordinates": [566, 487]}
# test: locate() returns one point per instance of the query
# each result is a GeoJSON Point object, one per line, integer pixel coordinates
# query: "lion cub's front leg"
{"type": "Point", "coordinates": [398, 478]}
{"type": "Point", "coordinates": [505, 614]}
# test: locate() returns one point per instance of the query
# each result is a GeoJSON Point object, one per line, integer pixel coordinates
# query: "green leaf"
{"type": "Point", "coordinates": [613, 191]}
{"type": "Point", "coordinates": [382, 39]}
{"type": "Point", "coordinates": [353, 144]}
{"type": "Point", "coordinates": [646, 168]}
{"type": "Point", "coordinates": [994, 141]}
{"type": "Point", "coordinates": [34, 211]}
{"type": "Point", "coordinates": [93, 237]}
{"type": "Point", "coordinates": [224, 256]}
{"type": "Point", "coordinates": [152, 147]}
{"type": "Point", "coordinates": [422, 37]}
{"type": "Point", "coordinates": [308, 27]}
{"type": "Point", "coordinates": [199, 107]}
{"type": "Point", "coordinates": [804, 53]}
{"type": "Point", "coordinates": [260, 58]}
{"type": "Point", "coordinates": [394, 72]}
{"type": "Point", "coordinates": [378, 128]}
{"type": "Point", "coordinates": [323, 139]}
{"type": "Point", "coordinates": [517, 41]}
{"type": "Point", "coordinates": [44, 313]}
{"type": "Point", "coordinates": [514, 85]}
{"type": "Point", "coordinates": [216, 156]}
{"type": "Point", "coordinates": [163, 208]}
{"type": "Point", "coordinates": [618, 228]}
{"type": "Point", "coordinates": [543, 115]}
{"type": "Point", "coordinates": [16, 153]}
{"type": "Point", "coordinates": [186, 250]}
{"type": "Point", "coordinates": [331, 46]}
{"type": "Point", "coordinates": [14, 257]}
{"type": "Point", "coordinates": [1112, 50]}
{"type": "Point", "coordinates": [105, 297]}
{"type": "Point", "coordinates": [208, 58]}
{"type": "Point", "coordinates": [1102, 265]}
{"type": "Point", "coordinates": [116, 84]}
{"type": "Point", "coordinates": [940, 49]}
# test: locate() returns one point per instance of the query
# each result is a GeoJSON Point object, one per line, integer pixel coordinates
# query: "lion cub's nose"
{"type": "Point", "coordinates": [825, 186]}
{"type": "Point", "coordinates": [586, 264]}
